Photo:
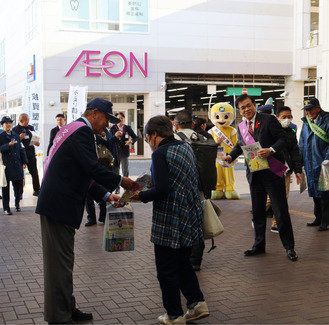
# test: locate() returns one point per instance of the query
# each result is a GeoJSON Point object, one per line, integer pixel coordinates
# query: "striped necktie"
{"type": "Point", "coordinates": [250, 128]}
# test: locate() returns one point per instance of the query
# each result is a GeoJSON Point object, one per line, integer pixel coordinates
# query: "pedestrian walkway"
{"type": "Point", "coordinates": [122, 288]}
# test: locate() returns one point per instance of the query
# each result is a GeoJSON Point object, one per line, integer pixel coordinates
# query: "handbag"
{"type": "Point", "coordinates": [212, 226]}
{"type": "Point", "coordinates": [3, 179]}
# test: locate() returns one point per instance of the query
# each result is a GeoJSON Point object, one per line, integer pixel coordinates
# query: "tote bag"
{"type": "Point", "coordinates": [3, 179]}
{"type": "Point", "coordinates": [212, 226]}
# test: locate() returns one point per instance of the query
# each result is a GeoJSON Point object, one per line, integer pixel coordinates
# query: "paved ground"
{"type": "Point", "coordinates": [121, 288]}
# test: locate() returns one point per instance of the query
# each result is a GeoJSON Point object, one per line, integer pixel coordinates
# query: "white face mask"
{"type": "Point", "coordinates": [285, 123]}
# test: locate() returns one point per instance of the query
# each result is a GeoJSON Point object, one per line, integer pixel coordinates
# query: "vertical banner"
{"type": "Point", "coordinates": [76, 103]}
{"type": "Point", "coordinates": [32, 105]}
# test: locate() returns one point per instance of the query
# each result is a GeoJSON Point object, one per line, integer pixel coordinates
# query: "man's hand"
{"type": "Point", "coordinates": [227, 158]}
{"type": "Point", "coordinates": [127, 143]}
{"type": "Point", "coordinates": [24, 166]}
{"type": "Point", "coordinates": [298, 178]}
{"type": "Point", "coordinates": [22, 136]}
{"type": "Point", "coordinates": [264, 153]}
{"type": "Point", "coordinates": [220, 139]}
{"type": "Point", "coordinates": [114, 198]}
{"type": "Point", "coordinates": [129, 184]}
{"type": "Point", "coordinates": [11, 143]}
{"type": "Point", "coordinates": [37, 144]}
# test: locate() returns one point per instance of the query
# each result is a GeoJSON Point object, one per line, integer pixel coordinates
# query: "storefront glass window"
{"type": "Point", "coordinates": [106, 15]}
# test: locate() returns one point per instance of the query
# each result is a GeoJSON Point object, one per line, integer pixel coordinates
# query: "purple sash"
{"type": "Point", "coordinates": [276, 166]}
{"type": "Point", "coordinates": [61, 136]}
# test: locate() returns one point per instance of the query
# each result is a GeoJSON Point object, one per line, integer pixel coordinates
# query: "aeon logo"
{"type": "Point", "coordinates": [107, 63]}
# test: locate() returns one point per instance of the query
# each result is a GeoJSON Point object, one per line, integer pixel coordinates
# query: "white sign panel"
{"type": "Point", "coordinates": [77, 102]}
{"type": "Point", "coordinates": [32, 105]}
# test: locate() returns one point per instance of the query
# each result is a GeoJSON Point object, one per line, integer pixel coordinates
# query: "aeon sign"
{"type": "Point", "coordinates": [109, 62]}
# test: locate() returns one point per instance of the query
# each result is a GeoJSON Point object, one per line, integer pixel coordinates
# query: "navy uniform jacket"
{"type": "Point", "coordinates": [13, 157]}
{"type": "Point", "coordinates": [127, 132]}
{"type": "Point", "coordinates": [30, 150]}
{"type": "Point", "coordinates": [269, 132]}
{"type": "Point", "coordinates": [66, 183]}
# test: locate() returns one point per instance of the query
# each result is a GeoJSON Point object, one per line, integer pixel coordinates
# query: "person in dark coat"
{"type": "Point", "coordinates": [127, 137]}
{"type": "Point", "coordinates": [267, 130]}
{"type": "Point", "coordinates": [70, 173]}
{"type": "Point", "coordinates": [23, 129]}
{"type": "Point", "coordinates": [15, 159]}
{"type": "Point", "coordinates": [60, 120]}
{"type": "Point", "coordinates": [291, 156]}
{"type": "Point", "coordinates": [314, 150]}
{"type": "Point", "coordinates": [200, 126]}
{"type": "Point", "coordinates": [109, 141]}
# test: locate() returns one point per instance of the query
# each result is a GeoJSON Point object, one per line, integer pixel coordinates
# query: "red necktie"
{"type": "Point", "coordinates": [250, 128]}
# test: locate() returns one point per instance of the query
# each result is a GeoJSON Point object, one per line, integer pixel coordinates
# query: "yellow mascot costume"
{"type": "Point", "coordinates": [222, 115]}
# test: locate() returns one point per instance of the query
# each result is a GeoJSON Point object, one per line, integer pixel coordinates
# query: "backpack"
{"type": "Point", "coordinates": [205, 151]}
{"type": "Point", "coordinates": [105, 156]}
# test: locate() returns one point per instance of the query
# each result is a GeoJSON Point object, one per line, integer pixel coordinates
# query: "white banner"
{"type": "Point", "coordinates": [77, 102]}
{"type": "Point", "coordinates": [32, 104]}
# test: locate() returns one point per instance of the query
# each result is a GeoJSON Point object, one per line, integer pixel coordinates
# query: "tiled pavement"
{"type": "Point", "coordinates": [121, 288]}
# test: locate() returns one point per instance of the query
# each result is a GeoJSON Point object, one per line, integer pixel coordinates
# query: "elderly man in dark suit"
{"type": "Point", "coordinates": [267, 130]}
{"type": "Point", "coordinates": [61, 204]}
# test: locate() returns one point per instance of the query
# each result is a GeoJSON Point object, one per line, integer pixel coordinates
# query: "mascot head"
{"type": "Point", "coordinates": [222, 114]}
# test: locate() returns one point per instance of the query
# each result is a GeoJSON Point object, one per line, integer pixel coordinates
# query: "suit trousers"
{"type": "Point", "coordinates": [33, 170]}
{"type": "Point", "coordinates": [58, 260]}
{"type": "Point", "coordinates": [123, 162]}
{"type": "Point", "coordinates": [321, 210]}
{"type": "Point", "coordinates": [266, 183]}
{"type": "Point", "coordinates": [175, 274]}
{"type": "Point", "coordinates": [17, 185]}
{"type": "Point", "coordinates": [91, 211]}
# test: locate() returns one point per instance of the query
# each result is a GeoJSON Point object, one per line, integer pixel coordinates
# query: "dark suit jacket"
{"type": "Point", "coordinates": [53, 133]}
{"type": "Point", "coordinates": [66, 183]}
{"type": "Point", "coordinates": [127, 132]}
{"type": "Point", "coordinates": [269, 132]}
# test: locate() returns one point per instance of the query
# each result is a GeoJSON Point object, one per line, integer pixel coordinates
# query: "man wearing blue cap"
{"type": "Point", "coordinates": [314, 150]}
{"type": "Point", "coordinates": [61, 204]}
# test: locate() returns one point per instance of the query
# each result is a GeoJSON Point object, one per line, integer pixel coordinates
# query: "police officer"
{"type": "Point", "coordinates": [14, 158]}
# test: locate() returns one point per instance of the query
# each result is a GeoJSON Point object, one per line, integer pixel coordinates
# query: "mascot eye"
{"type": "Point", "coordinates": [226, 117]}
{"type": "Point", "coordinates": [217, 116]}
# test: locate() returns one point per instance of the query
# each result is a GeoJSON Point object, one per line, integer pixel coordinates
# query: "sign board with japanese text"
{"type": "Point", "coordinates": [76, 103]}
{"type": "Point", "coordinates": [32, 104]}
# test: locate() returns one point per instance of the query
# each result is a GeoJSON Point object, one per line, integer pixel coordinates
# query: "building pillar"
{"type": "Point", "coordinates": [295, 99]}
{"type": "Point", "coordinates": [154, 104]}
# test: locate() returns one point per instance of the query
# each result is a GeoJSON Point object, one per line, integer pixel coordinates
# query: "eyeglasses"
{"type": "Point", "coordinates": [242, 108]}
{"type": "Point", "coordinates": [146, 136]}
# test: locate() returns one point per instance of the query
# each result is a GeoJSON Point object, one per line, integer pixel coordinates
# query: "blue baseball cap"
{"type": "Point", "coordinates": [104, 106]}
{"type": "Point", "coordinates": [265, 108]}
{"type": "Point", "coordinates": [310, 103]}
{"type": "Point", "coordinates": [6, 119]}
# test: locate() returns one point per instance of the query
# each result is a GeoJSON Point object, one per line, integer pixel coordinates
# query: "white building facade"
{"type": "Point", "coordinates": [148, 56]}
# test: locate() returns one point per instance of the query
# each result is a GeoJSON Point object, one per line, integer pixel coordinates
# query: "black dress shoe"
{"type": "Point", "coordinates": [101, 220]}
{"type": "Point", "coordinates": [36, 193]}
{"type": "Point", "coordinates": [254, 251]}
{"type": "Point", "coordinates": [18, 209]}
{"type": "Point", "coordinates": [79, 316]}
{"type": "Point", "coordinates": [90, 223]}
{"type": "Point", "coordinates": [315, 223]}
{"type": "Point", "coordinates": [323, 228]}
{"type": "Point", "coordinates": [292, 255]}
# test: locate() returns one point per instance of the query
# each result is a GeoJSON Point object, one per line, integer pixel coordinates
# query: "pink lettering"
{"type": "Point", "coordinates": [134, 60]}
{"type": "Point", "coordinates": [88, 63]}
